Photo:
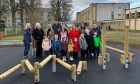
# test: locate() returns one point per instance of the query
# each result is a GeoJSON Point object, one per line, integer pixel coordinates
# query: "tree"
{"type": "Point", "coordinates": [4, 7]}
{"type": "Point", "coordinates": [60, 9]}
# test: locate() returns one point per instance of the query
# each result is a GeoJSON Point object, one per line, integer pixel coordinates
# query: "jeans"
{"type": "Point", "coordinates": [26, 47]}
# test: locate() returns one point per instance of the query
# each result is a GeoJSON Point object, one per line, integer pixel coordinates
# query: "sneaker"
{"type": "Point", "coordinates": [71, 58]}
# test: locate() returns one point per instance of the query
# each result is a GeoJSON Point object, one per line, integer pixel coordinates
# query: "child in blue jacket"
{"type": "Point", "coordinates": [56, 46]}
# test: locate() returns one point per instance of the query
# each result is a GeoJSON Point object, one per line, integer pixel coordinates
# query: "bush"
{"type": "Point", "coordinates": [1, 35]}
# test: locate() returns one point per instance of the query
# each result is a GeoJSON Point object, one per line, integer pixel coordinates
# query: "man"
{"type": "Point", "coordinates": [56, 27]}
{"type": "Point", "coordinates": [95, 29]}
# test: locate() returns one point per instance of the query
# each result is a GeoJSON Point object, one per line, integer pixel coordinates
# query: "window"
{"type": "Point", "coordinates": [119, 14]}
{"type": "Point", "coordinates": [138, 15]}
{"type": "Point", "coordinates": [132, 15]}
{"type": "Point", "coordinates": [127, 16]}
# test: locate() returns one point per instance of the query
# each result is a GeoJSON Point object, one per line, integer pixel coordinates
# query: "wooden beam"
{"type": "Point", "coordinates": [45, 61]}
{"type": "Point", "coordinates": [66, 65]}
{"type": "Point", "coordinates": [8, 72]}
{"type": "Point", "coordinates": [29, 65]}
{"type": "Point", "coordinates": [79, 68]}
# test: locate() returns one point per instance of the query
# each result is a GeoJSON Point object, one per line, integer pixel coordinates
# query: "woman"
{"type": "Point", "coordinates": [49, 32]}
{"type": "Point", "coordinates": [82, 28]}
{"type": "Point", "coordinates": [74, 33]}
{"type": "Point", "coordinates": [38, 34]}
{"type": "Point", "coordinates": [64, 33]}
{"type": "Point", "coordinates": [27, 39]}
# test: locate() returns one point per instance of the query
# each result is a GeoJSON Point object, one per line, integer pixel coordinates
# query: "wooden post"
{"type": "Point", "coordinates": [54, 63]}
{"type": "Point", "coordinates": [36, 74]}
{"type": "Point", "coordinates": [85, 65]}
{"type": "Point", "coordinates": [22, 66]}
{"type": "Point", "coordinates": [126, 45]}
{"type": "Point", "coordinates": [103, 47]}
{"type": "Point", "coordinates": [8, 72]}
{"type": "Point", "coordinates": [73, 72]}
{"type": "Point", "coordinates": [29, 65]}
{"type": "Point", "coordinates": [79, 68]}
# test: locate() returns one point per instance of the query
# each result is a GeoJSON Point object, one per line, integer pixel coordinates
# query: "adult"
{"type": "Point", "coordinates": [38, 34]}
{"type": "Point", "coordinates": [95, 29]}
{"type": "Point", "coordinates": [64, 33]}
{"type": "Point", "coordinates": [56, 27]}
{"type": "Point", "coordinates": [49, 32]}
{"type": "Point", "coordinates": [82, 28]}
{"type": "Point", "coordinates": [98, 31]}
{"type": "Point", "coordinates": [27, 39]}
{"type": "Point", "coordinates": [74, 33]}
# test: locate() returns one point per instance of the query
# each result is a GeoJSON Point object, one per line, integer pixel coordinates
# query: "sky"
{"type": "Point", "coordinates": [79, 5]}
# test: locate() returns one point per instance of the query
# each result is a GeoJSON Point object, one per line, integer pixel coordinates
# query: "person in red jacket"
{"type": "Point", "coordinates": [74, 33]}
{"type": "Point", "coordinates": [76, 48]}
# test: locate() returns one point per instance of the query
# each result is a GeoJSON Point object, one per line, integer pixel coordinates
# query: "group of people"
{"type": "Point", "coordinates": [57, 39]}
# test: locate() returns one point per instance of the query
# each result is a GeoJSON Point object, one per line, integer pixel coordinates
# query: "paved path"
{"type": "Point", "coordinates": [16, 42]}
{"type": "Point", "coordinates": [115, 74]}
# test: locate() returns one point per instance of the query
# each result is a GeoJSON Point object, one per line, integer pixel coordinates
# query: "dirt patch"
{"type": "Point", "coordinates": [132, 46]}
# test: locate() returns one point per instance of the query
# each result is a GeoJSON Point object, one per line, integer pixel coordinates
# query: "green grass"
{"type": "Point", "coordinates": [19, 37]}
{"type": "Point", "coordinates": [133, 38]}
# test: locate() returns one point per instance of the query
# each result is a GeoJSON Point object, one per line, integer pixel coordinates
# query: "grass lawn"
{"type": "Point", "coordinates": [134, 38]}
{"type": "Point", "coordinates": [19, 37]}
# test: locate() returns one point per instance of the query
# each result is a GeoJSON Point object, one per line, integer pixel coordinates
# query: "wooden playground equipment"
{"type": "Point", "coordinates": [18, 66]}
{"type": "Point", "coordinates": [126, 57]}
{"type": "Point", "coordinates": [37, 66]}
{"type": "Point", "coordinates": [81, 66]}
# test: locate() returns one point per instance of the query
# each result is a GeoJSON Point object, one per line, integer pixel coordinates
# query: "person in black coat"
{"type": "Point", "coordinates": [56, 27]}
{"type": "Point", "coordinates": [38, 35]}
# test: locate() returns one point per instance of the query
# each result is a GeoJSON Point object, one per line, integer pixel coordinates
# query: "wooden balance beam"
{"type": "Point", "coordinates": [29, 65]}
{"type": "Point", "coordinates": [69, 67]}
{"type": "Point", "coordinates": [81, 66]}
{"type": "Point", "coordinates": [118, 50]}
{"type": "Point", "coordinates": [45, 61]}
{"type": "Point", "coordinates": [66, 65]}
{"type": "Point", "coordinates": [8, 72]}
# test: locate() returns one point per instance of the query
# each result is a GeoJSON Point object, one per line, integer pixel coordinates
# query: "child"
{"type": "Point", "coordinates": [96, 44]}
{"type": "Point", "coordinates": [88, 38]}
{"type": "Point", "coordinates": [64, 48]}
{"type": "Point", "coordinates": [76, 48]}
{"type": "Point", "coordinates": [70, 50]}
{"type": "Point", "coordinates": [56, 45]}
{"type": "Point", "coordinates": [83, 46]}
{"type": "Point", "coordinates": [46, 45]}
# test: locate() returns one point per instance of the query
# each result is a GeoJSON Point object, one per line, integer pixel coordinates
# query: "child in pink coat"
{"type": "Point", "coordinates": [46, 45]}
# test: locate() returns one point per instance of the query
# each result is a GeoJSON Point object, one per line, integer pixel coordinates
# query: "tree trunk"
{"type": "Point", "coordinates": [22, 19]}
{"type": "Point", "coordinates": [14, 21]}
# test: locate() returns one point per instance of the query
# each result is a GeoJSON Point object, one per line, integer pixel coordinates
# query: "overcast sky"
{"type": "Point", "coordinates": [79, 5]}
